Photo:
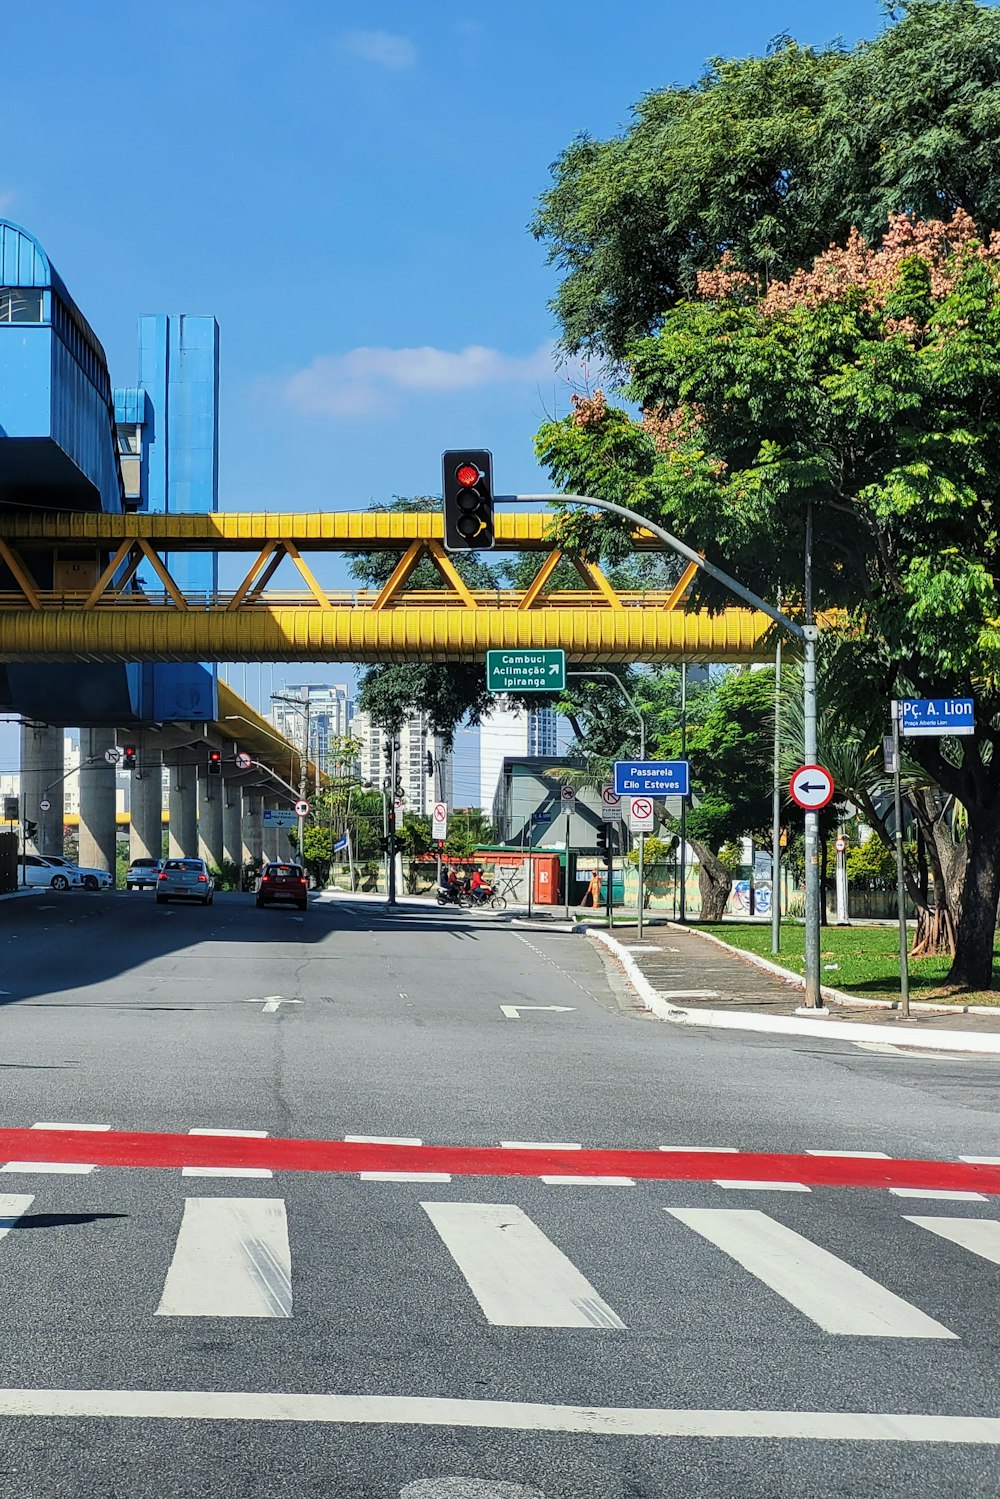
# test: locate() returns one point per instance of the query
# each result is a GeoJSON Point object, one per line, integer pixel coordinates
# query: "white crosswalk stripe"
{"type": "Point", "coordinates": [833, 1294]}
{"type": "Point", "coordinates": [979, 1235]}
{"type": "Point", "coordinates": [13, 1205]}
{"type": "Point", "coordinates": [518, 1276]}
{"type": "Point", "coordinates": [231, 1260]}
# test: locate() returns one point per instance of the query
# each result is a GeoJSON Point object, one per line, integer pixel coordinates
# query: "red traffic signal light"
{"type": "Point", "coordinates": [215, 762]}
{"type": "Point", "coordinates": [128, 757]}
{"type": "Point", "coordinates": [467, 498]}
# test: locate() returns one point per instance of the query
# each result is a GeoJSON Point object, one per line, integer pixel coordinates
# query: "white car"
{"type": "Point", "coordinates": [51, 874]}
{"type": "Point", "coordinates": [87, 879]}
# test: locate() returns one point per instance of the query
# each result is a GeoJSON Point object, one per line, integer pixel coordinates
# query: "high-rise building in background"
{"type": "Point", "coordinates": [423, 782]}
{"type": "Point", "coordinates": [511, 731]}
{"type": "Point", "coordinates": [331, 714]}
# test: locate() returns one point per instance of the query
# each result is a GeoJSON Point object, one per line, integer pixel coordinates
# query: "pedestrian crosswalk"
{"type": "Point", "coordinates": [501, 1265]}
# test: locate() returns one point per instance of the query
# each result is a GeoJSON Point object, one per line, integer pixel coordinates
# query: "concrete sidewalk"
{"type": "Point", "coordinates": [684, 978]}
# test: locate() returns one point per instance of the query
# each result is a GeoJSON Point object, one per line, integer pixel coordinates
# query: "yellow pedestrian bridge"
{"type": "Point", "coordinates": [70, 590]}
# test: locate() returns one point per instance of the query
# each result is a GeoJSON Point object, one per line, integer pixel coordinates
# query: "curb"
{"type": "Point", "coordinates": [32, 890]}
{"type": "Point", "coordinates": [791, 1025]}
{"type": "Point", "coordinates": [834, 996]}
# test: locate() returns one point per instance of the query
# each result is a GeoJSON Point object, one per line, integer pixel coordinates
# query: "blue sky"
{"type": "Point", "coordinates": [347, 188]}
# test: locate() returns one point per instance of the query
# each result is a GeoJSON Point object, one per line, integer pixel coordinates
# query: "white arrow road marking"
{"type": "Point", "coordinates": [513, 1012]}
{"type": "Point", "coordinates": [272, 1001]}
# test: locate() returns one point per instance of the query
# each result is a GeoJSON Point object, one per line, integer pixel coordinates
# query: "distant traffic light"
{"type": "Point", "coordinates": [467, 488]}
{"type": "Point", "coordinates": [30, 829]}
{"type": "Point", "coordinates": [430, 764]}
{"type": "Point", "coordinates": [128, 757]}
{"type": "Point", "coordinates": [215, 762]}
{"type": "Point", "coordinates": [602, 840]}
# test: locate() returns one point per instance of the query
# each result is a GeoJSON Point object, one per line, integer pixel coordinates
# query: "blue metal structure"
{"type": "Point", "coordinates": [56, 412]}
{"type": "Point", "coordinates": [68, 442]}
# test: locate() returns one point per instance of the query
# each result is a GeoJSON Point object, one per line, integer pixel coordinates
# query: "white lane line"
{"type": "Point", "coordinates": [539, 1145]}
{"type": "Point", "coordinates": [231, 1260]}
{"type": "Point", "coordinates": [704, 1149]}
{"type": "Point", "coordinates": [55, 1168]}
{"type": "Point", "coordinates": [853, 1155]}
{"type": "Point", "coordinates": [515, 1272]}
{"type": "Point", "coordinates": [12, 1206]}
{"type": "Point", "coordinates": [934, 1196]}
{"type": "Point", "coordinates": [505, 1415]}
{"type": "Point", "coordinates": [404, 1176]}
{"type": "Point", "coordinates": [827, 1290]}
{"type": "Point", "coordinates": [381, 1140]}
{"type": "Point", "coordinates": [735, 1186]}
{"type": "Point", "coordinates": [978, 1235]}
{"type": "Point", "coordinates": [981, 1160]}
{"type": "Point", "coordinates": [246, 1134]}
{"type": "Point", "coordinates": [587, 1181]}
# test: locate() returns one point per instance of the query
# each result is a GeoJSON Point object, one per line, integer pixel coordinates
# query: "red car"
{"type": "Point", "coordinates": [283, 882]}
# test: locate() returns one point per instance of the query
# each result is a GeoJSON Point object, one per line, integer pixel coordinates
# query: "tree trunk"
{"type": "Point", "coordinates": [972, 967]}
{"type": "Point", "coordinates": [936, 925]}
{"type": "Point", "coordinates": [714, 882]}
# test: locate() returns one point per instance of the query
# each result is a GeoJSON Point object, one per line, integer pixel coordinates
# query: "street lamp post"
{"type": "Point", "coordinates": [806, 633]}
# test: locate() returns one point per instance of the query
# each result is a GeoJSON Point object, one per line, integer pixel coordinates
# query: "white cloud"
{"type": "Point", "coordinates": [364, 380]}
{"type": "Point", "coordinates": [381, 47]}
{"type": "Point", "coordinates": [6, 201]}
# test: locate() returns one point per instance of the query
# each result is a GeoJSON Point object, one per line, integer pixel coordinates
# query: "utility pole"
{"type": "Point", "coordinates": [682, 915]}
{"type": "Point", "coordinates": [393, 749]}
{"type": "Point", "coordinates": [776, 804]}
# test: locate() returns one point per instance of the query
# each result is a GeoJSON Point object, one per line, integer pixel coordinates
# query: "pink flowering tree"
{"type": "Point", "coordinates": [867, 385]}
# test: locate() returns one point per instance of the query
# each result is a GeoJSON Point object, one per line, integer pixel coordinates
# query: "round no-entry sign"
{"type": "Point", "coordinates": [840, 845]}
{"type": "Point", "coordinates": [302, 809]}
{"type": "Point", "coordinates": [812, 788]}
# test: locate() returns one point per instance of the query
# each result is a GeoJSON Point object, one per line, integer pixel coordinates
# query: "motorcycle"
{"type": "Point", "coordinates": [447, 897]}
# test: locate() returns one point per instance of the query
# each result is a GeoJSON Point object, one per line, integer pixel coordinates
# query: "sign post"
{"type": "Point", "coordinates": [918, 718]}
{"type": "Point", "coordinates": [640, 816]}
{"type": "Point", "coordinates": [526, 671]}
{"type": "Point", "coordinates": [567, 800]}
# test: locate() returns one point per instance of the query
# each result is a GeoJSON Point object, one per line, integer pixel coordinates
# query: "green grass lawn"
{"type": "Point", "coordinates": [866, 959]}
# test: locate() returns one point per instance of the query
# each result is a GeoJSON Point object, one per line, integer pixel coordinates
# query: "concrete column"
{"type": "Point", "coordinates": [183, 809]}
{"type": "Point", "coordinates": [98, 830]}
{"type": "Point", "coordinates": [41, 765]}
{"type": "Point", "coordinates": [253, 830]}
{"type": "Point", "coordinates": [271, 849]}
{"type": "Point", "coordinates": [210, 794]}
{"type": "Point", "coordinates": [146, 818]}
{"type": "Point", "coordinates": [232, 823]}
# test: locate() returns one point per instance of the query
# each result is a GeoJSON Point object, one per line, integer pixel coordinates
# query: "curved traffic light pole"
{"type": "Point", "coordinates": [805, 633]}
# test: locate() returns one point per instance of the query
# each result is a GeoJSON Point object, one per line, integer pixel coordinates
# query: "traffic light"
{"type": "Point", "coordinates": [602, 841]}
{"type": "Point", "coordinates": [215, 762]}
{"type": "Point", "coordinates": [128, 757]}
{"type": "Point", "coordinates": [467, 487]}
{"type": "Point", "coordinates": [430, 764]}
{"type": "Point", "coordinates": [30, 829]}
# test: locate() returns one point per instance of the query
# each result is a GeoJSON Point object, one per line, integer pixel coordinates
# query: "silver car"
{"type": "Point", "coordinates": [184, 879]}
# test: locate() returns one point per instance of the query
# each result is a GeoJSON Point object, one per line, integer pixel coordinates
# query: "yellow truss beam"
{"type": "Point", "coordinates": [326, 530]}
{"type": "Point", "coordinates": [428, 633]}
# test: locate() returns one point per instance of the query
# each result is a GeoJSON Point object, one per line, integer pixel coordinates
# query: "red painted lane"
{"type": "Point", "coordinates": [129, 1148]}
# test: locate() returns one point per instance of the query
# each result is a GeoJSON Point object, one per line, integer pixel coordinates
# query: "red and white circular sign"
{"type": "Point", "coordinates": [243, 761]}
{"type": "Point", "coordinates": [610, 798]}
{"type": "Point", "coordinates": [812, 788]}
{"type": "Point", "coordinates": [302, 809]}
{"type": "Point", "coordinates": [840, 845]}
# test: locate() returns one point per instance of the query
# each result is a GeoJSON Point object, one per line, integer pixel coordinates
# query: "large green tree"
{"type": "Point", "coordinates": [772, 158]}
{"type": "Point", "coordinates": [867, 390]}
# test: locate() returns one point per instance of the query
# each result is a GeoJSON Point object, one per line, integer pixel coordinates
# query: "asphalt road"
{"type": "Point", "coordinates": [474, 1337]}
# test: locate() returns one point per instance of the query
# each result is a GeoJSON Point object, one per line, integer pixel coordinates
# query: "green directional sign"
{"type": "Point", "coordinates": [526, 671]}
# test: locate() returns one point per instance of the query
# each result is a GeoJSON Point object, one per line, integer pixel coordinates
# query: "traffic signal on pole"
{"type": "Point", "coordinates": [467, 488]}
{"type": "Point", "coordinates": [215, 762]}
{"type": "Point", "coordinates": [602, 840]}
{"type": "Point", "coordinates": [128, 757]}
{"type": "Point", "coordinates": [30, 829]}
